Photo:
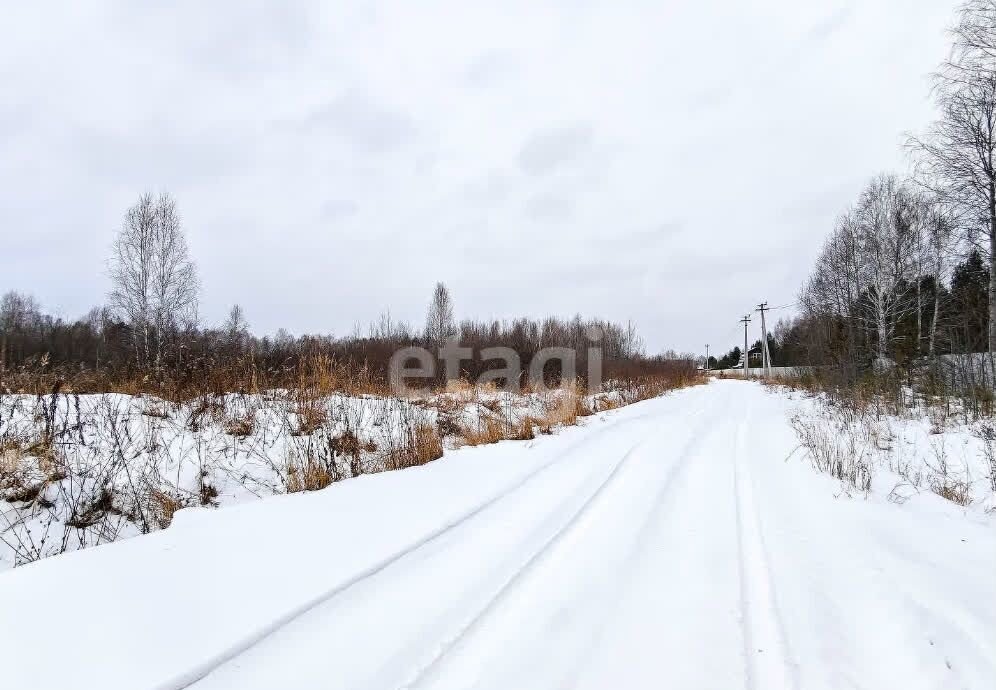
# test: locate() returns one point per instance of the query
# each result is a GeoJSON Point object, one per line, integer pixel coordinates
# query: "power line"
{"type": "Point", "coordinates": [745, 321]}
{"type": "Point", "coordinates": [726, 337]}
{"type": "Point", "coordinates": [765, 350]}
{"type": "Point", "coordinates": [765, 355]}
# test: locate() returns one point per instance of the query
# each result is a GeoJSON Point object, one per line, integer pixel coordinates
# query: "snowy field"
{"type": "Point", "coordinates": [684, 541]}
{"type": "Point", "coordinates": [938, 449]}
{"type": "Point", "coordinates": [82, 470]}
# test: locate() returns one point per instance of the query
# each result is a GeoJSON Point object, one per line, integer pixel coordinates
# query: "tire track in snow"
{"type": "Point", "coordinates": [516, 577]}
{"type": "Point", "coordinates": [201, 670]}
{"type": "Point", "coordinates": [535, 563]}
{"type": "Point", "coordinates": [678, 472]}
{"type": "Point", "coordinates": [766, 654]}
{"type": "Point", "coordinates": [191, 676]}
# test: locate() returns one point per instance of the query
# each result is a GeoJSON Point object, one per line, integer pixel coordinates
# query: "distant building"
{"type": "Point", "coordinates": [756, 358]}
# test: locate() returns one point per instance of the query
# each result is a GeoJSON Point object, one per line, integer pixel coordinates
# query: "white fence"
{"type": "Point", "coordinates": [758, 372]}
{"type": "Point", "coordinates": [960, 372]}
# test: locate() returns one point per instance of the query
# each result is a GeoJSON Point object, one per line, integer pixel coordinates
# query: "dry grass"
{"type": "Point", "coordinates": [837, 450]}
{"type": "Point", "coordinates": [955, 491]}
{"type": "Point", "coordinates": [310, 416]}
{"type": "Point", "coordinates": [421, 444]}
{"type": "Point", "coordinates": [569, 406]}
{"type": "Point", "coordinates": [205, 409]}
{"type": "Point", "coordinates": [309, 476]}
{"type": "Point", "coordinates": [987, 433]}
{"type": "Point", "coordinates": [208, 494]}
{"type": "Point", "coordinates": [492, 430]}
{"type": "Point", "coordinates": [240, 425]}
{"type": "Point", "coordinates": [88, 513]}
{"type": "Point", "coordinates": [11, 458]}
{"type": "Point", "coordinates": [321, 375]}
{"type": "Point", "coordinates": [526, 430]}
{"type": "Point", "coordinates": [943, 482]}
{"type": "Point", "coordinates": [26, 466]}
{"type": "Point", "coordinates": [155, 408]}
{"type": "Point", "coordinates": [113, 476]}
{"type": "Point", "coordinates": [16, 482]}
{"type": "Point", "coordinates": [461, 388]}
{"type": "Point", "coordinates": [163, 507]}
{"type": "Point", "coordinates": [489, 430]}
{"type": "Point", "coordinates": [604, 403]}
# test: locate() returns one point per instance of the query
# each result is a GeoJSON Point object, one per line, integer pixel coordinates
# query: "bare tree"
{"type": "Point", "coordinates": [888, 226]}
{"type": "Point", "coordinates": [956, 159]}
{"type": "Point", "coordinates": [236, 329]}
{"type": "Point", "coordinates": [439, 323]}
{"type": "Point", "coordinates": [154, 281]}
{"type": "Point", "coordinates": [18, 313]}
{"type": "Point", "coordinates": [832, 291]}
{"type": "Point", "coordinates": [939, 246]}
{"type": "Point", "coordinates": [975, 34]}
{"type": "Point", "coordinates": [866, 279]}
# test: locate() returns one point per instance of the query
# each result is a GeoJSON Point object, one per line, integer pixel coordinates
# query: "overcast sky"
{"type": "Point", "coordinates": [667, 162]}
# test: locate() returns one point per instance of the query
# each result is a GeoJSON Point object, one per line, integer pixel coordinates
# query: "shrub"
{"type": "Point", "coordinates": [310, 417]}
{"type": "Point", "coordinates": [488, 430]}
{"type": "Point", "coordinates": [310, 476]}
{"type": "Point", "coordinates": [953, 490]}
{"type": "Point", "coordinates": [241, 426]}
{"type": "Point", "coordinates": [838, 451]}
{"type": "Point", "coordinates": [420, 444]}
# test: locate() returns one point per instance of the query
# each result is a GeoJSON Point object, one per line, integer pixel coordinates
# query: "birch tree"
{"type": "Point", "coordinates": [439, 323]}
{"type": "Point", "coordinates": [236, 329]}
{"type": "Point", "coordinates": [154, 281]}
{"type": "Point", "coordinates": [957, 156]}
{"type": "Point", "coordinates": [939, 244]}
{"type": "Point", "coordinates": [887, 225]}
{"type": "Point", "coordinates": [867, 275]}
{"type": "Point", "coordinates": [831, 295]}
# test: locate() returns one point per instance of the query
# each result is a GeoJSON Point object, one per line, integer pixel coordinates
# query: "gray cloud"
{"type": "Point", "coordinates": [338, 209]}
{"type": "Point", "coordinates": [712, 97]}
{"type": "Point", "coordinates": [488, 70]}
{"type": "Point", "coordinates": [830, 24]}
{"type": "Point", "coordinates": [546, 150]}
{"type": "Point", "coordinates": [355, 155]}
{"type": "Point", "coordinates": [548, 207]}
{"type": "Point", "coordinates": [368, 126]}
{"type": "Point", "coordinates": [490, 188]}
{"type": "Point", "coordinates": [649, 238]}
{"type": "Point", "coordinates": [245, 40]}
{"type": "Point", "coordinates": [159, 154]}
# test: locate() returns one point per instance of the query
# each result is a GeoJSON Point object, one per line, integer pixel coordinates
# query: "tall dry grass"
{"type": "Point", "coordinates": [79, 469]}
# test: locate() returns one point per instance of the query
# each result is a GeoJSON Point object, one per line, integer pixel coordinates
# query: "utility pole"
{"type": "Point", "coordinates": [745, 321]}
{"type": "Point", "coordinates": [707, 357]}
{"type": "Point", "coordinates": [765, 355]}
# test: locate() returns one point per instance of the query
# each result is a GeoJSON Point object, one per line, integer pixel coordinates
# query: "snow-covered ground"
{"type": "Point", "coordinates": [928, 451]}
{"type": "Point", "coordinates": [682, 542]}
{"type": "Point", "coordinates": [78, 471]}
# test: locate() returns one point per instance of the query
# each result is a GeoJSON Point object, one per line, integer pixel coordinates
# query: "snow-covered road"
{"type": "Point", "coordinates": [672, 543]}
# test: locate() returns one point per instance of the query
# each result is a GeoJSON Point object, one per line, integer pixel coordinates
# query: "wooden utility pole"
{"type": "Point", "coordinates": [707, 357]}
{"type": "Point", "coordinates": [765, 355]}
{"type": "Point", "coordinates": [745, 321]}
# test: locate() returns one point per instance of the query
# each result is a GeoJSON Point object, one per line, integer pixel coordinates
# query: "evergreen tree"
{"type": "Point", "coordinates": [969, 310]}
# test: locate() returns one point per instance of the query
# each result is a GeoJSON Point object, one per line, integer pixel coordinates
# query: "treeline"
{"type": "Point", "coordinates": [907, 274]}
{"type": "Point", "coordinates": [100, 344]}
{"type": "Point", "coordinates": [787, 346]}
{"type": "Point", "coordinates": [148, 337]}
